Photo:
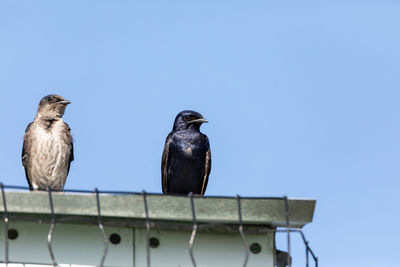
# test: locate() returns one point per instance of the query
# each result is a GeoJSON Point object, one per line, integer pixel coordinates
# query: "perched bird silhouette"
{"type": "Point", "coordinates": [48, 149]}
{"type": "Point", "coordinates": [186, 160]}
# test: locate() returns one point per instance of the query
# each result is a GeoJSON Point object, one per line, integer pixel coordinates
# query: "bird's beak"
{"type": "Point", "coordinates": [65, 102]}
{"type": "Point", "coordinates": [201, 120]}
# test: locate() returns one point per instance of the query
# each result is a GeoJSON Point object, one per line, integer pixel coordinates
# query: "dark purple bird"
{"type": "Point", "coordinates": [48, 149]}
{"type": "Point", "coordinates": [186, 160]}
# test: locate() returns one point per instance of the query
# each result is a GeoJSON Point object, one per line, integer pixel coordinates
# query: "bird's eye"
{"type": "Point", "coordinates": [49, 98]}
{"type": "Point", "coordinates": [186, 118]}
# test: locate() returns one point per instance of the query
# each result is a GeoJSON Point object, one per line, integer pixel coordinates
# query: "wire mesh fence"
{"type": "Point", "coordinates": [147, 224]}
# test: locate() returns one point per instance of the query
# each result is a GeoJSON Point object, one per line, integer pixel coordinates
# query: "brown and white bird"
{"type": "Point", "coordinates": [48, 149]}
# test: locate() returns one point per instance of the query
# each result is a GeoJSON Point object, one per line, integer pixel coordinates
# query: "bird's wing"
{"type": "Point", "coordinates": [164, 163]}
{"type": "Point", "coordinates": [207, 170]}
{"type": "Point", "coordinates": [26, 147]}
{"type": "Point", "coordinates": [69, 140]}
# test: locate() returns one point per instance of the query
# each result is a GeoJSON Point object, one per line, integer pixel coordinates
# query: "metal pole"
{"type": "Point", "coordinates": [288, 230]}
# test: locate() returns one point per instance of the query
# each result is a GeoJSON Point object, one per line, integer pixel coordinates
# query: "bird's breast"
{"type": "Point", "coordinates": [188, 146]}
{"type": "Point", "coordinates": [49, 153]}
{"type": "Point", "coordinates": [188, 151]}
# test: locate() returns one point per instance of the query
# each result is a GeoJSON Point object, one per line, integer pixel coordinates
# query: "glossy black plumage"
{"type": "Point", "coordinates": [186, 160]}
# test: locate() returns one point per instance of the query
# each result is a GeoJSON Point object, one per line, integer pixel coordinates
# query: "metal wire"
{"type": "Point", "coordinates": [194, 231]}
{"type": "Point", "coordinates": [306, 243]}
{"type": "Point", "coordinates": [5, 224]}
{"type": "Point", "coordinates": [100, 223]}
{"type": "Point", "coordinates": [133, 193]}
{"type": "Point", "coordinates": [195, 226]}
{"type": "Point", "coordinates": [307, 254]}
{"type": "Point", "coordinates": [29, 263]}
{"type": "Point", "coordinates": [288, 229]}
{"type": "Point", "coordinates": [51, 230]}
{"type": "Point", "coordinates": [246, 244]}
{"type": "Point", "coordinates": [146, 210]}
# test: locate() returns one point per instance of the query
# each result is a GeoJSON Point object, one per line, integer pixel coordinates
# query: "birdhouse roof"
{"type": "Point", "coordinates": [129, 209]}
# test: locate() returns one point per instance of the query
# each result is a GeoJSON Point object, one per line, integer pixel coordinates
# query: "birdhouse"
{"type": "Point", "coordinates": [138, 229]}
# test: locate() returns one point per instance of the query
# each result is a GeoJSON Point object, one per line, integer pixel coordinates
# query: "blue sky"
{"type": "Point", "coordinates": [302, 99]}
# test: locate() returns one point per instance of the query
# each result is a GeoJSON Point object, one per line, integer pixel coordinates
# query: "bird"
{"type": "Point", "coordinates": [186, 158]}
{"type": "Point", "coordinates": [282, 258]}
{"type": "Point", "coordinates": [48, 151]}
